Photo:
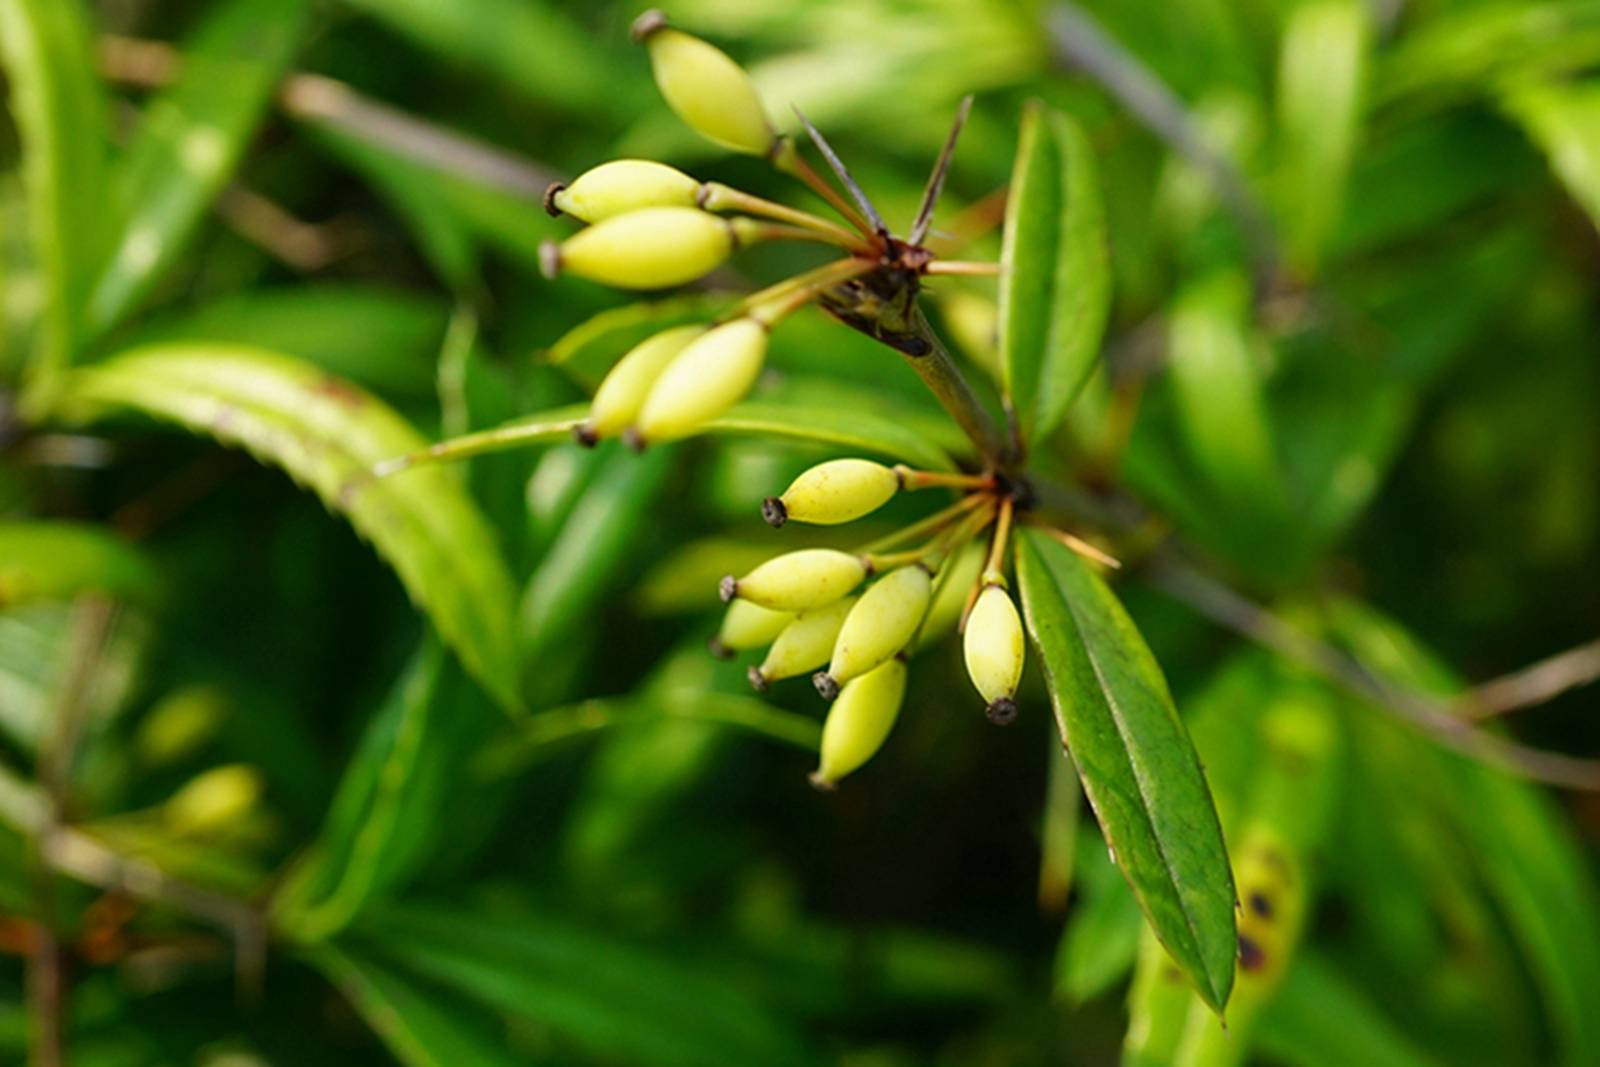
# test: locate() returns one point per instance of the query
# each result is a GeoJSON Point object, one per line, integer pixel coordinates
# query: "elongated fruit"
{"type": "Point", "coordinates": [213, 800]}
{"type": "Point", "coordinates": [746, 626]}
{"type": "Point", "coordinates": [621, 395]}
{"type": "Point", "coordinates": [710, 92]}
{"type": "Point", "coordinates": [859, 721]}
{"type": "Point", "coordinates": [798, 581]}
{"type": "Point", "coordinates": [651, 248]}
{"type": "Point", "coordinates": [883, 622]}
{"type": "Point", "coordinates": [621, 186]}
{"type": "Point", "coordinates": [708, 377]}
{"type": "Point", "coordinates": [804, 645]}
{"type": "Point", "coordinates": [839, 491]}
{"type": "Point", "coordinates": [993, 646]}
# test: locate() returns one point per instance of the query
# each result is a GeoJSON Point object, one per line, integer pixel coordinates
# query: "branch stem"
{"type": "Point", "coordinates": [938, 371]}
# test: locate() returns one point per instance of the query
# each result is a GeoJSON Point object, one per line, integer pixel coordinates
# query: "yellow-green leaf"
{"type": "Point", "coordinates": [327, 434]}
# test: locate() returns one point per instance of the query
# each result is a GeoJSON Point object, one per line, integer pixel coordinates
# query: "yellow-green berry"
{"type": "Point", "coordinates": [799, 581]}
{"type": "Point", "coordinates": [213, 800]}
{"type": "Point", "coordinates": [882, 623]}
{"type": "Point", "coordinates": [748, 625]}
{"type": "Point", "coordinates": [839, 491]}
{"type": "Point", "coordinates": [708, 377]}
{"type": "Point", "coordinates": [709, 91]}
{"type": "Point", "coordinates": [804, 645]}
{"type": "Point", "coordinates": [651, 248]}
{"type": "Point", "coordinates": [621, 395]}
{"type": "Point", "coordinates": [993, 646]}
{"type": "Point", "coordinates": [621, 186]}
{"type": "Point", "coordinates": [859, 721]}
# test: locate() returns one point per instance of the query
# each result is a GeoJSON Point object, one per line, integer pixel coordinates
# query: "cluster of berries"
{"type": "Point", "coordinates": [803, 603]}
{"type": "Point", "coordinates": [650, 226]}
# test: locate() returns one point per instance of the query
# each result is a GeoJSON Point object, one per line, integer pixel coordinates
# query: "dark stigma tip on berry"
{"type": "Point", "coordinates": [1002, 712]}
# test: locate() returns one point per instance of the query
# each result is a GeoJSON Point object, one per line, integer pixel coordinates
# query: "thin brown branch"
{"type": "Point", "coordinates": [1082, 44]}
{"type": "Point", "coordinates": [301, 245]}
{"type": "Point", "coordinates": [1535, 684]}
{"type": "Point", "coordinates": [1439, 719]}
{"type": "Point", "coordinates": [317, 99]}
{"type": "Point", "coordinates": [47, 994]}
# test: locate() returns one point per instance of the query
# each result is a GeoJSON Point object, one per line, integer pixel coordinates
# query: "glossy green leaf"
{"type": "Point", "coordinates": [1138, 767]}
{"type": "Point", "coordinates": [1321, 1019]}
{"type": "Point", "coordinates": [1321, 68]}
{"type": "Point", "coordinates": [421, 1027]}
{"type": "Point", "coordinates": [604, 993]}
{"type": "Point", "coordinates": [1055, 284]}
{"type": "Point", "coordinates": [191, 139]}
{"type": "Point", "coordinates": [1565, 121]}
{"type": "Point", "coordinates": [328, 434]}
{"type": "Point", "coordinates": [60, 560]}
{"type": "Point", "coordinates": [60, 113]}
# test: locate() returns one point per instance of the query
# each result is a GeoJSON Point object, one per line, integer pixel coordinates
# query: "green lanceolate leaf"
{"type": "Point", "coordinates": [191, 139]}
{"type": "Point", "coordinates": [372, 827]}
{"type": "Point", "coordinates": [1320, 73]}
{"type": "Point", "coordinates": [60, 114]}
{"type": "Point", "coordinates": [1565, 121]}
{"type": "Point", "coordinates": [594, 541]}
{"type": "Point", "coordinates": [598, 990]}
{"type": "Point", "coordinates": [328, 434]}
{"type": "Point", "coordinates": [1055, 281]}
{"type": "Point", "coordinates": [1138, 767]}
{"type": "Point", "coordinates": [421, 1028]}
{"type": "Point", "coordinates": [1221, 409]}
{"type": "Point", "coordinates": [60, 560]}
{"type": "Point", "coordinates": [1528, 857]}
{"type": "Point", "coordinates": [1319, 1019]}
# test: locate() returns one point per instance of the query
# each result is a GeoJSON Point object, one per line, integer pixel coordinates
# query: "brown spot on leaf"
{"type": "Point", "coordinates": [340, 391]}
{"type": "Point", "coordinates": [1252, 957]}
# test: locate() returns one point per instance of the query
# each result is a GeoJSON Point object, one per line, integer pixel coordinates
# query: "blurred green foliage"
{"type": "Point", "coordinates": [313, 769]}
